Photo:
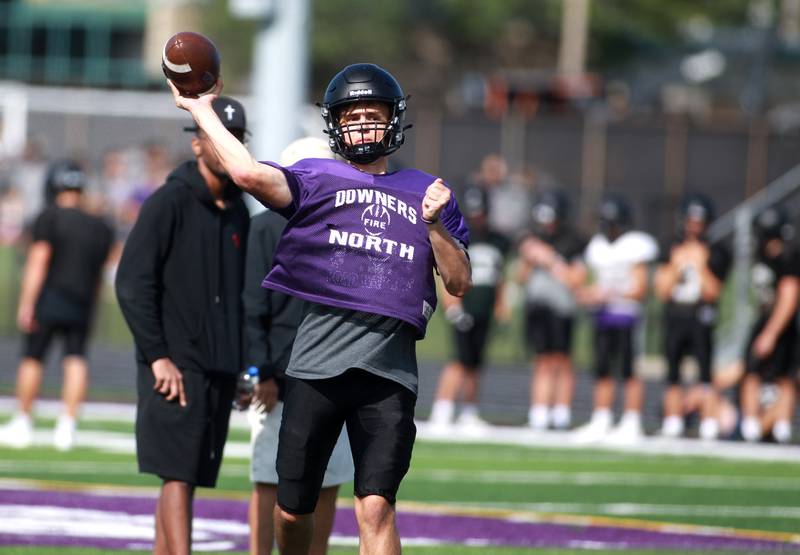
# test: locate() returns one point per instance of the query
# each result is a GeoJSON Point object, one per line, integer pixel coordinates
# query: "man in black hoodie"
{"type": "Point", "coordinates": [179, 285]}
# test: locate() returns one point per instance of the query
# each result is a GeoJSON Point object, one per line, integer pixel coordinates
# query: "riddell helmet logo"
{"type": "Point", "coordinates": [360, 92]}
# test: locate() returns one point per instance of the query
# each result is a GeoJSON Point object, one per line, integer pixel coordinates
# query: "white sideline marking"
{"type": "Point", "coordinates": [110, 468]}
{"type": "Point", "coordinates": [116, 442]}
{"type": "Point", "coordinates": [695, 481]}
{"type": "Point", "coordinates": [633, 509]}
{"type": "Point", "coordinates": [498, 435]}
{"type": "Point", "coordinates": [596, 546]}
{"type": "Point", "coordinates": [94, 411]}
{"type": "Point", "coordinates": [656, 446]}
{"type": "Point", "coordinates": [607, 478]}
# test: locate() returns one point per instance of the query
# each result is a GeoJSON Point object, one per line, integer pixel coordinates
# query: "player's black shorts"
{"type": "Point", "coordinates": [547, 332]}
{"type": "Point", "coordinates": [613, 348]}
{"type": "Point", "coordinates": [379, 414]}
{"type": "Point", "coordinates": [685, 334]}
{"type": "Point", "coordinates": [783, 361]}
{"type": "Point", "coordinates": [183, 443]}
{"type": "Point", "coordinates": [74, 336]}
{"type": "Point", "coordinates": [471, 344]}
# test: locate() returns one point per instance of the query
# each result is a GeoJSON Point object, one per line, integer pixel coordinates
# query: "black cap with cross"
{"type": "Point", "coordinates": [230, 112]}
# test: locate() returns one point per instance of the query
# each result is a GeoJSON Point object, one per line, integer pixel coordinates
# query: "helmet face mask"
{"type": "Point", "coordinates": [364, 130]}
{"type": "Point", "coordinates": [550, 209]}
{"type": "Point", "coordinates": [364, 85]}
{"type": "Point", "coordinates": [614, 215]}
{"type": "Point", "coordinates": [770, 225]}
{"type": "Point", "coordinates": [695, 214]}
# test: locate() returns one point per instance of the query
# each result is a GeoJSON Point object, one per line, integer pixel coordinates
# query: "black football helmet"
{"type": "Point", "coordinates": [697, 206]}
{"type": "Point", "coordinates": [615, 215]}
{"type": "Point", "coordinates": [772, 223]}
{"type": "Point", "coordinates": [476, 202]}
{"type": "Point", "coordinates": [550, 207]}
{"type": "Point", "coordinates": [63, 175]}
{"type": "Point", "coordinates": [364, 82]}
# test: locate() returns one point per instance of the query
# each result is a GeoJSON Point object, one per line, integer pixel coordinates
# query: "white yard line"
{"type": "Point", "coordinates": [120, 442]}
{"type": "Point", "coordinates": [240, 451]}
{"type": "Point", "coordinates": [698, 481]}
{"type": "Point", "coordinates": [656, 446]}
{"type": "Point", "coordinates": [500, 435]}
{"type": "Point", "coordinates": [633, 509]}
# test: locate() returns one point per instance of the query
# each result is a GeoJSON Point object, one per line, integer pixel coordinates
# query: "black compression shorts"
{"type": "Point", "coordinates": [783, 360]}
{"type": "Point", "coordinates": [686, 335]}
{"type": "Point", "coordinates": [183, 443]}
{"type": "Point", "coordinates": [613, 348]}
{"type": "Point", "coordinates": [379, 415]}
{"type": "Point", "coordinates": [547, 332]}
{"type": "Point", "coordinates": [471, 344]}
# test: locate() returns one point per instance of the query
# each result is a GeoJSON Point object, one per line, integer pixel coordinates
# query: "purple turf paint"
{"type": "Point", "coordinates": [222, 523]}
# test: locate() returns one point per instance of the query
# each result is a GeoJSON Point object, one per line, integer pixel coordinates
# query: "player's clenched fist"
{"type": "Point", "coordinates": [436, 197]}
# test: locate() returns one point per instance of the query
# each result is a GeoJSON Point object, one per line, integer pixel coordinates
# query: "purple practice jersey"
{"type": "Point", "coordinates": [356, 240]}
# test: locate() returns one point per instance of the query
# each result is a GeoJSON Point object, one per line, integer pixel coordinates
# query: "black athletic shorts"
{"type": "Point", "coordinates": [783, 361]}
{"type": "Point", "coordinates": [74, 336]}
{"type": "Point", "coordinates": [686, 335]}
{"type": "Point", "coordinates": [547, 332]}
{"type": "Point", "coordinates": [183, 443]}
{"type": "Point", "coordinates": [613, 348]}
{"type": "Point", "coordinates": [379, 414]}
{"type": "Point", "coordinates": [471, 344]}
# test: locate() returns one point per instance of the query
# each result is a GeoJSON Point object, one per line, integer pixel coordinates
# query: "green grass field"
{"type": "Point", "coordinates": [660, 488]}
{"type": "Point", "coordinates": [743, 497]}
{"type": "Point", "coordinates": [582, 488]}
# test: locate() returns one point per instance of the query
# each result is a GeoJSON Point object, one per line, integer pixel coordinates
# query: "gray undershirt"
{"type": "Point", "coordinates": [332, 340]}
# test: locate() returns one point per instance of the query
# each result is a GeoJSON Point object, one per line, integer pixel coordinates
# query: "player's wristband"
{"type": "Point", "coordinates": [428, 222]}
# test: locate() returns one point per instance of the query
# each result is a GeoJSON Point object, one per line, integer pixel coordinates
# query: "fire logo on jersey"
{"type": "Point", "coordinates": [376, 219]}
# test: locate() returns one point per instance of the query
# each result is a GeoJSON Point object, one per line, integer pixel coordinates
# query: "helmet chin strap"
{"type": "Point", "coordinates": [612, 231]}
{"type": "Point", "coordinates": [370, 151]}
{"type": "Point", "coordinates": [363, 158]}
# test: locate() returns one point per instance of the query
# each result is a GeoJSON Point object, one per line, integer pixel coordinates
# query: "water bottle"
{"type": "Point", "coordinates": [245, 386]}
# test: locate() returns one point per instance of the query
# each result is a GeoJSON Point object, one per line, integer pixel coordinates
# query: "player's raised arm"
{"type": "Point", "coordinates": [451, 260]}
{"type": "Point", "coordinates": [264, 182]}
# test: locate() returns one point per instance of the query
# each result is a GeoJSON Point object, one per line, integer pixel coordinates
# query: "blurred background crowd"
{"type": "Point", "coordinates": [122, 180]}
{"type": "Point", "coordinates": [650, 101]}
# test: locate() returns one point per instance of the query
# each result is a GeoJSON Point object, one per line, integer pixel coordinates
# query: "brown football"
{"type": "Point", "coordinates": [191, 61]}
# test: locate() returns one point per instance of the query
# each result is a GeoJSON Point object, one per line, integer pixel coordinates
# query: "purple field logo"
{"type": "Point", "coordinates": [79, 519]}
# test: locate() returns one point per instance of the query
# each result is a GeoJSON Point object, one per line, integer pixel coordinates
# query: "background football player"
{"type": "Point", "coordinates": [551, 268]}
{"type": "Point", "coordinates": [689, 282]}
{"type": "Point", "coordinates": [618, 259]}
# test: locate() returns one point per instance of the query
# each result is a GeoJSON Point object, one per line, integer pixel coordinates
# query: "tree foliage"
{"type": "Point", "coordinates": [430, 41]}
{"type": "Point", "coordinates": [621, 30]}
